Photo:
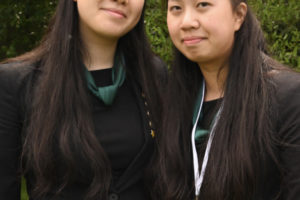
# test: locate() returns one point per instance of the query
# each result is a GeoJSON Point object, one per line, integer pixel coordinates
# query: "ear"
{"type": "Point", "coordinates": [240, 14]}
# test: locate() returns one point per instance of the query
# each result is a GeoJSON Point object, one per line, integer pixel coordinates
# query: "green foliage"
{"type": "Point", "coordinates": [280, 20]}
{"type": "Point", "coordinates": [22, 24]}
{"type": "Point", "coordinates": [157, 31]}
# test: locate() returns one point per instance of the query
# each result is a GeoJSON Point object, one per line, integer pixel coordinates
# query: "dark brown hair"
{"type": "Point", "coordinates": [60, 130]}
{"type": "Point", "coordinates": [243, 135]}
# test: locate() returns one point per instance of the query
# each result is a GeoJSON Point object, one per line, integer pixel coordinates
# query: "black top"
{"type": "Point", "coordinates": [208, 113]}
{"type": "Point", "coordinates": [288, 129]}
{"type": "Point", "coordinates": [102, 77]}
{"type": "Point", "coordinates": [122, 129]}
{"type": "Point", "coordinates": [119, 126]}
{"type": "Point", "coordinates": [209, 110]}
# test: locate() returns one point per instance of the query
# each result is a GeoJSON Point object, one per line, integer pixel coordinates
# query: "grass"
{"type": "Point", "coordinates": [24, 195]}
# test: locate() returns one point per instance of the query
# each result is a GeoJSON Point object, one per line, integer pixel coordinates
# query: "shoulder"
{"type": "Point", "coordinates": [287, 84]}
{"type": "Point", "coordinates": [15, 73]}
{"type": "Point", "coordinates": [16, 69]}
{"type": "Point", "coordinates": [288, 129]}
{"type": "Point", "coordinates": [159, 65]}
{"type": "Point", "coordinates": [287, 81]}
{"type": "Point", "coordinates": [14, 81]}
{"type": "Point", "coordinates": [161, 70]}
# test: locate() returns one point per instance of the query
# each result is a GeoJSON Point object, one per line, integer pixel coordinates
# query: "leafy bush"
{"type": "Point", "coordinates": [280, 20]}
{"type": "Point", "coordinates": [157, 31]}
{"type": "Point", "coordinates": [22, 24]}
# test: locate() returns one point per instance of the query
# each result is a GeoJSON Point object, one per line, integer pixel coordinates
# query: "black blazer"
{"type": "Point", "coordinates": [283, 183]}
{"type": "Point", "coordinates": [14, 80]}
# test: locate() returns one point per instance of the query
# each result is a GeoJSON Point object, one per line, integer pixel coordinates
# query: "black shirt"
{"type": "Point", "coordinates": [119, 126]}
{"type": "Point", "coordinates": [208, 113]}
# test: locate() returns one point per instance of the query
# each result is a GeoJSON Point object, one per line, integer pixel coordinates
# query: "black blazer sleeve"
{"type": "Point", "coordinates": [288, 85]}
{"type": "Point", "coordinates": [10, 133]}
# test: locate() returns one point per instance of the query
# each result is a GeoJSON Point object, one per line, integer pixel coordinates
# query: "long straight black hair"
{"type": "Point", "coordinates": [244, 133]}
{"type": "Point", "coordinates": [59, 128]}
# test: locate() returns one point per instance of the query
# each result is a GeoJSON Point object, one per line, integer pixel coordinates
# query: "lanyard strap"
{"type": "Point", "coordinates": [199, 177]}
{"type": "Point", "coordinates": [195, 155]}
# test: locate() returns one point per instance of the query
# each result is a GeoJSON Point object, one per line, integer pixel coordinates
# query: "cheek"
{"type": "Point", "coordinates": [223, 31]}
{"type": "Point", "coordinates": [86, 14]}
{"type": "Point", "coordinates": [226, 33]}
{"type": "Point", "coordinates": [86, 7]}
{"type": "Point", "coordinates": [214, 24]}
{"type": "Point", "coordinates": [173, 29]}
{"type": "Point", "coordinates": [137, 10]}
{"type": "Point", "coordinates": [137, 7]}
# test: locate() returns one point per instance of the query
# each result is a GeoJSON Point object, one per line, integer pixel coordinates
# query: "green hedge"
{"type": "Point", "coordinates": [280, 20]}
{"type": "Point", "coordinates": [23, 22]}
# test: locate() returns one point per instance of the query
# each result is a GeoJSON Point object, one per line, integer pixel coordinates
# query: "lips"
{"type": "Point", "coordinates": [115, 12]}
{"type": "Point", "coordinates": [192, 40]}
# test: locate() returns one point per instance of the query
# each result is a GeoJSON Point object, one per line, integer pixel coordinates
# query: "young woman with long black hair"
{"type": "Point", "coordinates": [76, 112]}
{"type": "Point", "coordinates": [231, 127]}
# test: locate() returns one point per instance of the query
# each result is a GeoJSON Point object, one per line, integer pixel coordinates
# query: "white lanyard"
{"type": "Point", "coordinates": [199, 178]}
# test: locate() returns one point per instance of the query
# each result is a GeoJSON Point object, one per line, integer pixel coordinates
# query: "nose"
{"type": "Point", "coordinates": [190, 20]}
{"type": "Point", "coordinates": [122, 1]}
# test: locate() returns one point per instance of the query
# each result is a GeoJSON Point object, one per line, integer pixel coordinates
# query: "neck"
{"type": "Point", "coordinates": [215, 77]}
{"type": "Point", "coordinates": [100, 51]}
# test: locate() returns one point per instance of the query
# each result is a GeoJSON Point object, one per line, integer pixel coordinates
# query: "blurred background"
{"type": "Point", "coordinates": [22, 24]}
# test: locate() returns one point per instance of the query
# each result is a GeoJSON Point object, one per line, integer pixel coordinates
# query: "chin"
{"type": "Point", "coordinates": [192, 58]}
{"type": "Point", "coordinates": [113, 35]}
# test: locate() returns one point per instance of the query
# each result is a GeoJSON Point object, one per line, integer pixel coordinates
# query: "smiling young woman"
{"type": "Point", "coordinates": [77, 112]}
{"type": "Point", "coordinates": [233, 133]}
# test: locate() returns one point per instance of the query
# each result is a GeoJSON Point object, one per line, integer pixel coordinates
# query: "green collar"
{"type": "Point", "coordinates": [107, 93]}
{"type": "Point", "coordinates": [199, 133]}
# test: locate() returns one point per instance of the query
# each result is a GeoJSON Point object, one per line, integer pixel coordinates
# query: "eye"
{"type": "Point", "coordinates": [174, 8]}
{"type": "Point", "coordinates": [202, 4]}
